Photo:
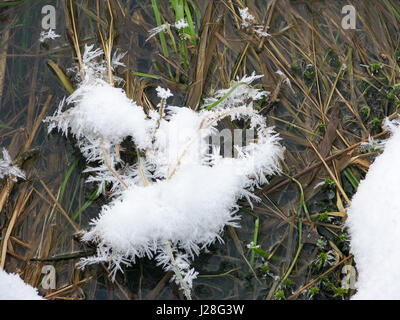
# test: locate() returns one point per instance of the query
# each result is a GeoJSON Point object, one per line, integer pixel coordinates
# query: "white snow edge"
{"type": "Point", "coordinates": [12, 287]}
{"type": "Point", "coordinates": [374, 225]}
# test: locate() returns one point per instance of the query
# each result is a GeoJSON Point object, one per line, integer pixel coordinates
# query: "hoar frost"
{"type": "Point", "coordinates": [48, 35]}
{"type": "Point", "coordinates": [180, 24]}
{"type": "Point", "coordinates": [7, 169]}
{"type": "Point", "coordinates": [248, 22]}
{"type": "Point", "coordinates": [178, 197]}
{"type": "Point", "coordinates": [247, 18]}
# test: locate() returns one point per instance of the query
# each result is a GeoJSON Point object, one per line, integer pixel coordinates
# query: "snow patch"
{"type": "Point", "coordinates": [12, 287]}
{"type": "Point", "coordinates": [374, 224]}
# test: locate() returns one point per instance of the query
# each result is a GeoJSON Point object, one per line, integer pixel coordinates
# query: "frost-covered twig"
{"type": "Point", "coordinates": [180, 265]}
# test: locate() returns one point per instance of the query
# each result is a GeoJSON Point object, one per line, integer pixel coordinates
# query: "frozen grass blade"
{"type": "Point", "coordinates": [220, 100]}
{"type": "Point", "coordinates": [255, 239]}
{"type": "Point", "coordinates": [178, 272]}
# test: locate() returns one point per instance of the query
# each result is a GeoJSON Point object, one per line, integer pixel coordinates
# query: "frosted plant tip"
{"type": "Point", "coordinates": [247, 18]}
{"type": "Point", "coordinates": [181, 24]}
{"type": "Point", "coordinates": [48, 35]}
{"type": "Point", "coordinates": [163, 93]}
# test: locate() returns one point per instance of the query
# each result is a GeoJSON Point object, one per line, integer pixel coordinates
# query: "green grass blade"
{"type": "Point", "coordinates": [255, 239]}
{"type": "Point", "coordinates": [64, 185]}
{"type": "Point", "coordinates": [147, 75]}
{"type": "Point", "coordinates": [171, 36]}
{"type": "Point", "coordinates": [393, 9]}
{"type": "Point", "coordinates": [261, 253]}
{"type": "Point", "coordinates": [178, 7]}
{"type": "Point", "coordinates": [11, 3]}
{"type": "Point", "coordinates": [3, 126]}
{"type": "Point", "coordinates": [72, 201]}
{"type": "Point", "coordinates": [174, 5]}
{"type": "Point", "coordinates": [92, 198]}
{"type": "Point", "coordinates": [161, 34]}
{"type": "Point", "coordinates": [190, 30]}
{"type": "Point", "coordinates": [197, 12]}
{"type": "Point", "coordinates": [226, 95]}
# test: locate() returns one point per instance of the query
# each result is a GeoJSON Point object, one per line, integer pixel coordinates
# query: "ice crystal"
{"type": "Point", "coordinates": [180, 24]}
{"type": "Point", "coordinates": [48, 35]}
{"type": "Point", "coordinates": [7, 169]}
{"type": "Point", "coordinates": [248, 23]}
{"type": "Point", "coordinates": [247, 18]}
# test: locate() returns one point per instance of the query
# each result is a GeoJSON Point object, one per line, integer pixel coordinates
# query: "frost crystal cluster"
{"type": "Point", "coordinates": [247, 18]}
{"type": "Point", "coordinates": [180, 24]}
{"type": "Point", "coordinates": [248, 23]}
{"type": "Point", "coordinates": [176, 199]}
{"type": "Point", "coordinates": [48, 35]}
{"type": "Point", "coordinates": [7, 169]}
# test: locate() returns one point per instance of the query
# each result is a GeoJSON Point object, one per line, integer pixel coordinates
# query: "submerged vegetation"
{"type": "Point", "coordinates": [330, 90]}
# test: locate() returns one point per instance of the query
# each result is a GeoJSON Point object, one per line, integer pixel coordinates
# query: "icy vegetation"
{"type": "Point", "coordinates": [247, 18]}
{"type": "Point", "coordinates": [12, 287]}
{"type": "Point", "coordinates": [7, 169]}
{"type": "Point", "coordinates": [48, 35]}
{"type": "Point", "coordinates": [374, 223]}
{"type": "Point", "coordinates": [248, 23]}
{"type": "Point", "coordinates": [178, 196]}
{"type": "Point", "coordinates": [164, 27]}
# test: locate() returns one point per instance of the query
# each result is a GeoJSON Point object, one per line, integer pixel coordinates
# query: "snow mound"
{"type": "Point", "coordinates": [374, 224]}
{"type": "Point", "coordinates": [12, 287]}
